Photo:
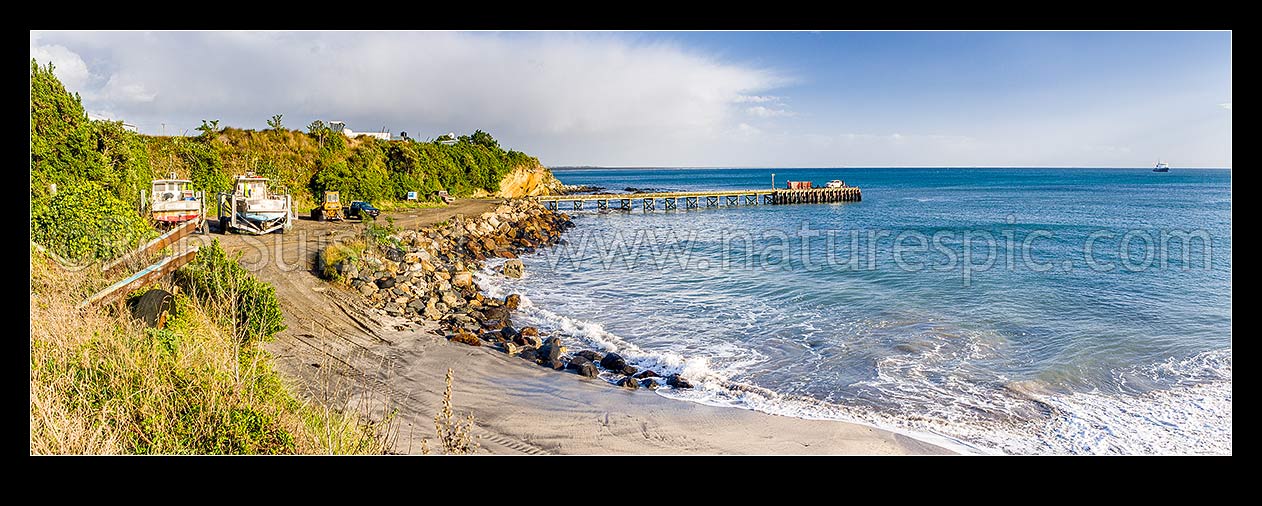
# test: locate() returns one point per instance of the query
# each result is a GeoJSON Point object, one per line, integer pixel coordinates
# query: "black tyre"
{"type": "Point", "coordinates": [152, 307]}
{"type": "Point", "coordinates": [223, 225]}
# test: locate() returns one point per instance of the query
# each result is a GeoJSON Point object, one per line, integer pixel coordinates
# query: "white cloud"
{"type": "Point", "coordinates": [536, 92]}
{"type": "Point", "coordinates": [766, 112]}
{"type": "Point", "coordinates": [67, 65]}
{"type": "Point", "coordinates": [748, 130]}
{"type": "Point", "coordinates": [756, 99]}
{"type": "Point", "coordinates": [123, 89]}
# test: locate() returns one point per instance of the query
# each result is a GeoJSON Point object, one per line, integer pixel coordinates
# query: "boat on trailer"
{"type": "Point", "coordinates": [253, 208]}
{"type": "Point", "coordinates": [172, 201]}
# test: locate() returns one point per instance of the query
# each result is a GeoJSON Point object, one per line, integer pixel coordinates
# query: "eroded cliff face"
{"type": "Point", "coordinates": [525, 181]}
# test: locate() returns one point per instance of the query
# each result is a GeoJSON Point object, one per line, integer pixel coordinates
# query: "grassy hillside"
{"type": "Point", "coordinates": [86, 176]}
{"type": "Point", "coordinates": [306, 164]}
{"type": "Point", "coordinates": [103, 383]}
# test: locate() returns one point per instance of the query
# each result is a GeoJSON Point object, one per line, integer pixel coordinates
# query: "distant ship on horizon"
{"type": "Point", "coordinates": [1161, 167]}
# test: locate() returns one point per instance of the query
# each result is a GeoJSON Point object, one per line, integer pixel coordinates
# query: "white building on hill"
{"type": "Point", "coordinates": [340, 126]}
{"type": "Point", "coordinates": [126, 126]}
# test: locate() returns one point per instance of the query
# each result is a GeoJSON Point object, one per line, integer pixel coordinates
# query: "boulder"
{"type": "Point", "coordinates": [583, 367]}
{"type": "Point", "coordinates": [513, 268]}
{"type": "Point", "coordinates": [498, 313]}
{"type": "Point", "coordinates": [648, 373]}
{"type": "Point", "coordinates": [552, 350]}
{"type": "Point", "coordinates": [347, 269]}
{"type": "Point", "coordinates": [462, 336]}
{"type": "Point", "coordinates": [650, 383]}
{"type": "Point", "coordinates": [384, 283]}
{"type": "Point", "coordinates": [677, 382]}
{"type": "Point", "coordinates": [556, 364]}
{"type": "Point", "coordinates": [460, 320]}
{"type": "Point", "coordinates": [512, 301]}
{"type": "Point", "coordinates": [593, 356]}
{"type": "Point", "coordinates": [509, 333]}
{"type": "Point", "coordinates": [451, 299]}
{"type": "Point", "coordinates": [462, 278]}
{"type": "Point", "coordinates": [629, 382]}
{"type": "Point", "coordinates": [509, 348]}
{"type": "Point", "coordinates": [395, 254]}
{"type": "Point", "coordinates": [528, 353]}
{"type": "Point", "coordinates": [367, 289]}
{"type": "Point", "coordinates": [613, 362]}
{"type": "Point", "coordinates": [629, 370]}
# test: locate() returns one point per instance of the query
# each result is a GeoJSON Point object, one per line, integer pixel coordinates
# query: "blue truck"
{"type": "Point", "coordinates": [362, 210]}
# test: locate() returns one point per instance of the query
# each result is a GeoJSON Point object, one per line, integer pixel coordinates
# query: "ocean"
{"type": "Point", "coordinates": [1019, 311]}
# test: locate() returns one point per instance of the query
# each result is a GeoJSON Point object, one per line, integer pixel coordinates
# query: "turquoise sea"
{"type": "Point", "coordinates": [1059, 311]}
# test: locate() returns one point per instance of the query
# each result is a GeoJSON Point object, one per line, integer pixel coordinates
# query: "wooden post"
{"type": "Point", "coordinates": [143, 277]}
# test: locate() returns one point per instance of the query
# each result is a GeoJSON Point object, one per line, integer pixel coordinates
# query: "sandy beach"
{"type": "Point", "coordinates": [335, 348]}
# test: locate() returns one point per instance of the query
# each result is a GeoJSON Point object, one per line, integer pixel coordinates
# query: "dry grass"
{"type": "Point", "coordinates": [455, 435]}
{"type": "Point", "coordinates": [101, 383]}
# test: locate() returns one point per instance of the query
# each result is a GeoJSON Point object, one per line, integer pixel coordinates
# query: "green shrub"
{"type": "Point", "coordinates": [85, 221]}
{"type": "Point", "coordinates": [215, 278]}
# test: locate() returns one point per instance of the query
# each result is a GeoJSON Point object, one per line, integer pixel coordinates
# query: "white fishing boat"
{"type": "Point", "coordinates": [173, 201]}
{"type": "Point", "coordinates": [1161, 167]}
{"type": "Point", "coordinates": [253, 208]}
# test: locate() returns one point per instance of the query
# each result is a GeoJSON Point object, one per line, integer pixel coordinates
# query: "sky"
{"type": "Point", "coordinates": [691, 99]}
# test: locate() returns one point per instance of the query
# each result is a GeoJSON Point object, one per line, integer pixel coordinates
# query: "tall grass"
{"type": "Point", "coordinates": [101, 383]}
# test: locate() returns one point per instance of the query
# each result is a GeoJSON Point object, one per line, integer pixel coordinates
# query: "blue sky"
{"type": "Point", "coordinates": [693, 98]}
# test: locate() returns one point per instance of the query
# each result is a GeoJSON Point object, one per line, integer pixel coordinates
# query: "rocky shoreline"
{"type": "Point", "coordinates": [427, 275]}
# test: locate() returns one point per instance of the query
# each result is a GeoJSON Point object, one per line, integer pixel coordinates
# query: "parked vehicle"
{"type": "Point", "coordinates": [330, 210]}
{"type": "Point", "coordinates": [447, 199]}
{"type": "Point", "coordinates": [360, 209]}
{"type": "Point", "coordinates": [836, 183]}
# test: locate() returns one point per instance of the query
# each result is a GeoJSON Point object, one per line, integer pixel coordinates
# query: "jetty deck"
{"type": "Point", "coordinates": [693, 200]}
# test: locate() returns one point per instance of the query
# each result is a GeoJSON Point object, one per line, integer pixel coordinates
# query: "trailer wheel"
{"type": "Point", "coordinates": [223, 224]}
{"type": "Point", "coordinates": [152, 307]}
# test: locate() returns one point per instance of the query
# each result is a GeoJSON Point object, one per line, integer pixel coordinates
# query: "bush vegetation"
{"type": "Point", "coordinates": [68, 149]}
{"type": "Point", "coordinates": [218, 281]}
